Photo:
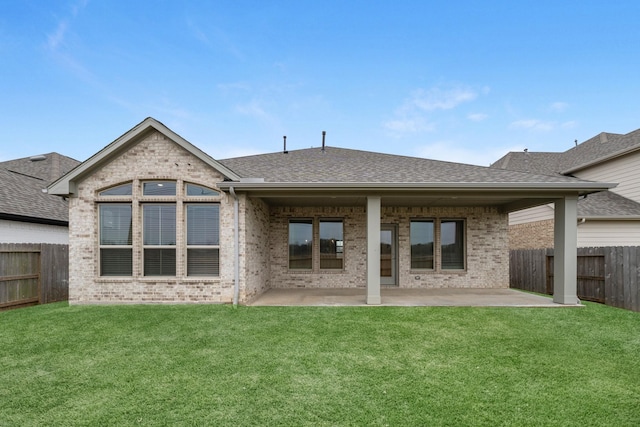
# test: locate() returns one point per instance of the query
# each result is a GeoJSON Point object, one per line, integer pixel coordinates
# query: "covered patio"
{"type": "Point", "coordinates": [395, 297]}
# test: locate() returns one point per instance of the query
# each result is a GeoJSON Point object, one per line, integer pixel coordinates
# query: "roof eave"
{"type": "Point", "coordinates": [580, 187]}
{"type": "Point", "coordinates": [602, 159]}
{"type": "Point", "coordinates": [65, 185]}
{"type": "Point", "coordinates": [609, 217]}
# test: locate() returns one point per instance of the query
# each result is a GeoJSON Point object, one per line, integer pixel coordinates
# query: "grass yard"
{"type": "Point", "coordinates": [215, 365]}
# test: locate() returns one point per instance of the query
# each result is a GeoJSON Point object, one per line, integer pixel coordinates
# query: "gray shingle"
{"type": "Point", "coordinates": [344, 165]}
{"type": "Point", "coordinates": [599, 147]}
{"type": "Point", "coordinates": [22, 182]}
{"type": "Point", "coordinates": [607, 204]}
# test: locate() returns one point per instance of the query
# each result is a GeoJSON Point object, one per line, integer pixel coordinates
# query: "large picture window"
{"type": "Point", "coordinates": [115, 240]}
{"type": "Point", "coordinates": [159, 228]}
{"type": "Point", "coordinates": [452, 244]}
{"type": "Point", "coordinates": [422, 244]}
{"type": "Point", "coordinates": [301, 244]}
{"type": "Point", "coordinates": [331, 244]}
{"type": "Point", "coordinates": [159, 240]}
{"type": "Point", "coordinates": [203, 239]}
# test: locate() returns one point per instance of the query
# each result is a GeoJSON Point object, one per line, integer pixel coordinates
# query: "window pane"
{"type": "Point", "coordinates": [331, 244]}
{"type": "Point", "coordinates": [300, 244]}
{"type": "Point", "coordinates": [115, 224]}
{"type": "Point", "coordinates": [159, 262]}
{"type": "Point", "coordinates": [159, 188]}
{"type": "Point", "coordinates": [203, 262]}
{"type": "Point", "coordinates": [198, 190]}
{"type": "Point", "coordinates": [115, 262]}
{"type": "Point", "coordinates": [120, 190]}
{"type": "Point", "coordinates": [159, 224]}
{"type": "Point", "coordinates": [452, 244]}
{"type": "Point", "coordinates": [422, 244]}
{"type": "Point", "coordinates": [203, 225]}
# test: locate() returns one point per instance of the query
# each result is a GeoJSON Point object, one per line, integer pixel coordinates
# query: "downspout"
{"type": "Point", "coordinates": [236, 246]}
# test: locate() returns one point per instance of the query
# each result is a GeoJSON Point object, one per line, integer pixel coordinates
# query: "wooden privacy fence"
{"type": "Point", "coordinates": [609, 275]}
{"type": "Point", "coordinates": [33, 274]}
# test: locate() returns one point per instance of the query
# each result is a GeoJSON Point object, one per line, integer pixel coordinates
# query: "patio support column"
{"type": "Point", "coordinates": [373, 250]}
{"type": "Point", "coordinates": [565, 251]}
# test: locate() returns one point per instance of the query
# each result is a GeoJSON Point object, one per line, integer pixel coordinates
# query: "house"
{"type": "Point", "coordinates": [155, 219]}
{"type": "Point", "coordinates": [27, 213]}
{"type": "Point", "coordinates": [608, 218]}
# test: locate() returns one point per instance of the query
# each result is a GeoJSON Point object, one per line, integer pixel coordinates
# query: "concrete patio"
{"type": "Point", "coordinates": [405, 297]}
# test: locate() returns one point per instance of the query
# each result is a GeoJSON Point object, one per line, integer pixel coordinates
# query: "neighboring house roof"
{"type": "Point", "coordinates": [23, 184]}
{"type": "Point", "coordinates": [608, 205]}
{"type": "Point", "coordinates": [600, 148]}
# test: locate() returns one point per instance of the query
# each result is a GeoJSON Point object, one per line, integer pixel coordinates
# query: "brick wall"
{"type": "Point", "coordinates": [154, 157]}
{"type": "Point", "coordinates": [263, 239]}
{"type": "Point", "coordinates": [531, 235]}
{"type": "Point", "coordinates": [254, 248]}
{"type": "Point", "coordinates": [486, 248]}
{"type": "Point", "coordinates": [355, 249]}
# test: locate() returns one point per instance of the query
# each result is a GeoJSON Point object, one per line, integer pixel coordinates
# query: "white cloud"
{"type": "Point", "coordinates": [235, 86]}
{"type": "Point", "coordinates": [440, 99]}
{"type": "Point", "coordinates": [569, 125]}
{"type": "Point", "coordinates": [533, 124]}
{"type": "Point", "coordinates": [409, 125]}
{"type": "Point", "coordinates": [452, 152]}
{"type": "Point", "coordinates": [413, 116]}
{"type": "Point", "coordinates": [56, 38]}
{"type": "Point", "coordinates": [559, 107]}
{"type": "Point", "coordinates": [477, 117]}
{"type": "Point", "coordinates": [253, 109]}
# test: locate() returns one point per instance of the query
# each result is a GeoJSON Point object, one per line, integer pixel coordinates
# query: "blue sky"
{"type": "Point", "coordinates": [458, 80]}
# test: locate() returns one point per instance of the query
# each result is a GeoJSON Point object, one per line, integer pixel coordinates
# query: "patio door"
{"type": "Point", "coordinates": [388, 251]}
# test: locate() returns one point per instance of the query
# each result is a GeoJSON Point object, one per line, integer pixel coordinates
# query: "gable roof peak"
{"type": "Point", "coordinates": [66, 184]}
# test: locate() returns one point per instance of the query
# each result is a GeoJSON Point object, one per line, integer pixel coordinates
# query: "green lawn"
{"type": "Point", "coordinates": [215, 365]}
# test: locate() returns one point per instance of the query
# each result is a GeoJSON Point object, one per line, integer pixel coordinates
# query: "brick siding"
{"type": "Point", "coordinates": [531, 235]}
{"type": "Point", "coordinates": [154, 157]}
{"type": "Point", "coordinates": [263, 238]}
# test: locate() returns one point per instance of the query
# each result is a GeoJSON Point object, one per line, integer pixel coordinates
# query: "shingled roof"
{"type": "Point", "coordinates": [598, 149]}
{"type": "Point", "coordinates": [22, 182]}
{"type": "Point", "coordinates": [341, 165]}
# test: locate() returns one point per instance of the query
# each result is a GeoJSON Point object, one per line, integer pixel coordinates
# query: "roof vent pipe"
{"type": "Point", "coordinates": [285, 145]}
{"type": "Point", "coordinates": [324, 133]}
